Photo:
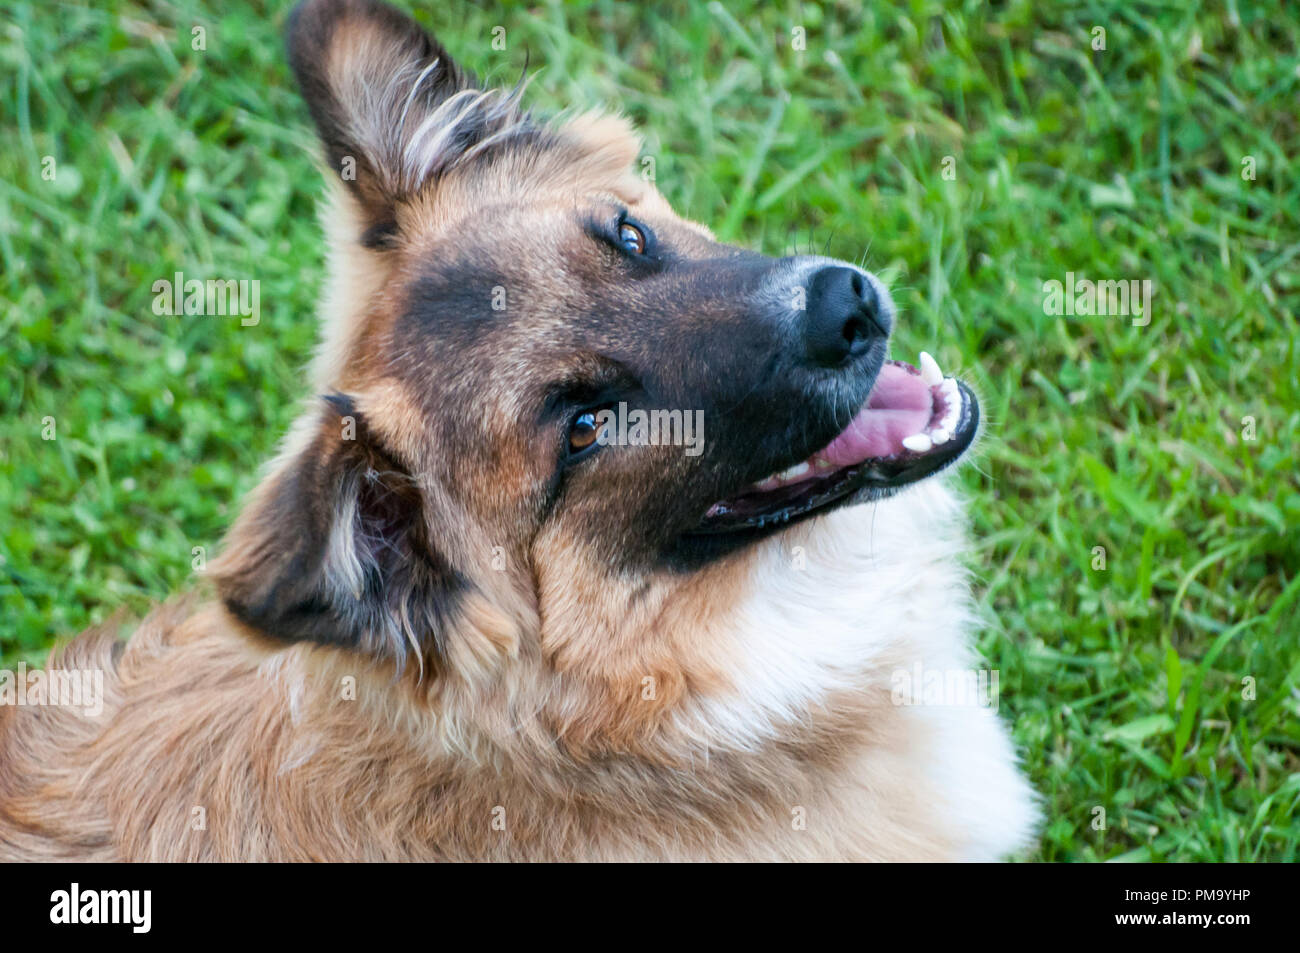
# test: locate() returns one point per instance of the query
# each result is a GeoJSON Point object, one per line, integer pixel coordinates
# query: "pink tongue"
{"type": "Point", "coordinates": [900, 405]}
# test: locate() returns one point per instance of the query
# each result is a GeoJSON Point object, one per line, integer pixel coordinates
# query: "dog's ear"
{"type": "Point", "coordinates": [334, 548]}
{"type": "Point", "coordinates": [391, 107]}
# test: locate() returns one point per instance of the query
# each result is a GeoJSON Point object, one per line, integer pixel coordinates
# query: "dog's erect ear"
{"type": "Point", "coordinates": [392, 108]}
{"type": "Point", "coordinates": [334, 548]}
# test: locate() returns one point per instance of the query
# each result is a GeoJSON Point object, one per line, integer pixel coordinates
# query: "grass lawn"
{"type": "Point", "coordinates": [968, 155]}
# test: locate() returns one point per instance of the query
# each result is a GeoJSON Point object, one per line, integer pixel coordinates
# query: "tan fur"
{"type": "Point", "coordinates": [216, 747]}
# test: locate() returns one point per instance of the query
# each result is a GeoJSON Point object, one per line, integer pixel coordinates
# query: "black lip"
{"type": "Point", "coordinates": [873, 479]}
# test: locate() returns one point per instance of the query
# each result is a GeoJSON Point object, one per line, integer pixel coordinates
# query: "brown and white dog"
{"type": "Point", "coordinates": [465, 616]}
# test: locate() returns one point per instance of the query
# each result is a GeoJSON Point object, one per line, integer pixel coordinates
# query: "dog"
{"type": "Point", "coordinates": [472, 612]}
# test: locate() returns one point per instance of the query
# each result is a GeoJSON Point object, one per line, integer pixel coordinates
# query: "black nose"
{"type": "Point", "coordinates": [843, 317]}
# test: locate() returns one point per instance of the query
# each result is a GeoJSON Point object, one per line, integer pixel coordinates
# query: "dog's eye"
{"type": "Point", "coordinates": [633, 238]}
{"type": "Point", "coordinates": [584, 432]}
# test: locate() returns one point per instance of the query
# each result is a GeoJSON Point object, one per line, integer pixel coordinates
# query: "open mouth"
{"type": "Point", "coordinates": [915, 422]}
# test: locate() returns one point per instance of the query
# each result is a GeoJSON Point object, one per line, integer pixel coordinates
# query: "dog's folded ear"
{"type": "Point", "coordinates": [392, 108]}
{"type": "Point", "coordinates": [334, 548]}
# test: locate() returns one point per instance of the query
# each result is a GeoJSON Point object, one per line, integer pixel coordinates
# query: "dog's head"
{"type": "Point", "coordinates": [550, 404]}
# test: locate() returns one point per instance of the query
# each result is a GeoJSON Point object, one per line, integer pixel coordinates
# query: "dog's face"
{"type": "Point", "coordinates": [532, 331]}
{"type": "Point", "coordinates": [516, 299]}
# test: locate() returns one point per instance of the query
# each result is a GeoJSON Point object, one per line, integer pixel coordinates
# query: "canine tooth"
{"type": "Point", "coordinates": [917, 443]}
{"type": "Point", "coordinates": [796, 471]}
{"type": "Point", "coordinates": [940, 436]}
{"type": "Point", "coordinates": [930, 372]}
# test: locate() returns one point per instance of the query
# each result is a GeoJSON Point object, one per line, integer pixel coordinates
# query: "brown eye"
{"type": "Point", "coordinates": [633, 238]}
{"type": "Point", "coordinates": [583, 432]}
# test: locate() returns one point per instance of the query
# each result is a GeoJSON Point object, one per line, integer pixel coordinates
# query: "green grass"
{"type": "Point", "coordinates": [1125, 686]}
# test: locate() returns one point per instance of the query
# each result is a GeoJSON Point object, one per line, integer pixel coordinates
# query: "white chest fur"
{"type": "Point", "coordinates": [874, 598]}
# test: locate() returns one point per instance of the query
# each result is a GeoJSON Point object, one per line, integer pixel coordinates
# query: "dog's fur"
{"type": "Point", "coordinates": [432, 643]}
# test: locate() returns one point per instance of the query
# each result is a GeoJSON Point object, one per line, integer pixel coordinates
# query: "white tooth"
{"type": "Point", "coordinates": [918, 442]}
{"type": "Point", "coordinates": [940, 436]}
{"type": "Point", "coordinates": [796, 471]}
{"type": "Point", "coordinates": [930, 372]}
{"type": "Point", "coordinates": [950, 391]}
{"type": "Point", "coordinates": [953, 399]}
{"type": "Point", "coordinates": [767, 483]}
